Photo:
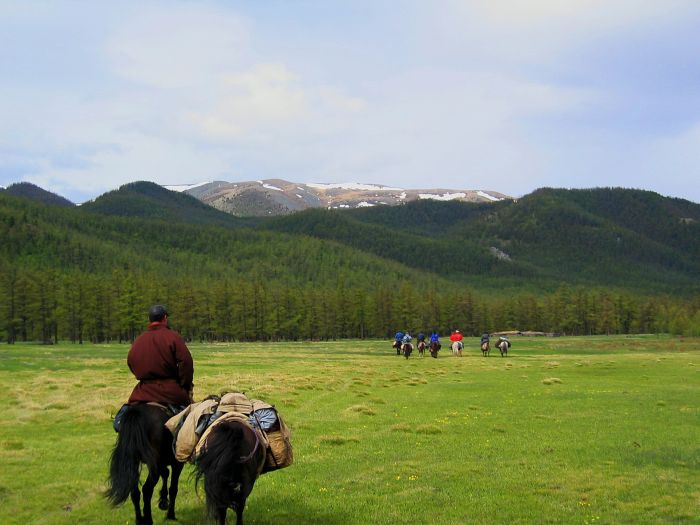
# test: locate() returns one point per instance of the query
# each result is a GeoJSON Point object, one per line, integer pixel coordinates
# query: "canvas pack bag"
{"type": "Point", "coordinates": [279, 438]}
{"type": "Point", "coordinates": [190, 426]}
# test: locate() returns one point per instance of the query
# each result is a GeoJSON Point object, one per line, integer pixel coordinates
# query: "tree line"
{"type": "Point", "coordinates": [48, 306]}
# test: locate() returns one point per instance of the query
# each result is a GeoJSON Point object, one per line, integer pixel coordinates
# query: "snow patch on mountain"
{"type": "Point", "coordinates": [443, 197]}
{"type": "Point", "coordinates": [487, 196]}
{"type": "Point", "coordinates": [351, 186]}
{"type": "Point", "coordinates": [184, 187]}
{"type": "Point", "coordinates": [268, 186]}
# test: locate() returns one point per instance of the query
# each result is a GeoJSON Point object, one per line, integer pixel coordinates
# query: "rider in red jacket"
{"type": "Point", "coordinates": [456, 336]}
{"type": "Point", "coordinates": [161, 361]}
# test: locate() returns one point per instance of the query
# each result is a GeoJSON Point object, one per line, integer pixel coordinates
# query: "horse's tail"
{"type": "Point", "coordinates": [133, 448]}
{"type": "Point", "coordinates": [224, 448]}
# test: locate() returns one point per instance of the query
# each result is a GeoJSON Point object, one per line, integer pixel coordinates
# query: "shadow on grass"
{"type": "Point", "coordinates": [270, 511]}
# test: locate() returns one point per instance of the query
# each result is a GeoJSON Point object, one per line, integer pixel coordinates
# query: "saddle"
{"type": "Point", "coordinates": [169, 409]}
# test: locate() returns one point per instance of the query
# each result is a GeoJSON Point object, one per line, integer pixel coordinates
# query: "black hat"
{"type": "Point", "coordinates": [157, 312]}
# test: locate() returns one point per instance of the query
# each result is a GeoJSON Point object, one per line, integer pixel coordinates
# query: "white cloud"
{"type": "Point", "coordinates": [542, 31]}
{"type": "Point", "coordinates": [178, 45]}
{"type": "Point", "coordinates": [251, 103]}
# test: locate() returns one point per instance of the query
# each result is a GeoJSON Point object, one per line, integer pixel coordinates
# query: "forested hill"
{"type": "Point", "coordinates": [573, 261]}
{"type": "Point", "coordinates": [35, 193]}
{"type": "Point", "coordinates": [148, 200]}
{"type": "Point", "coordinates": [603, 237]}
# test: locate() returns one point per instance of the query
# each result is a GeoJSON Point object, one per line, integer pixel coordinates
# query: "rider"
{"type": "Point", "coordinates": [398, 338]}
{"type": "Point", "coordinates": [420, 338]}
{"type": "Point", "coordinates": [161, 361]}
{"type": "Point", "coordinates": [504, 338]}
{"type": "Point", "coordinates": [485, 338]}
{"type": "Point", "coordinates": [456, 337]}
{"type": "Point", "coordinates": [434, 337]}
{"type": "Point", "coordinates": [406, 338]}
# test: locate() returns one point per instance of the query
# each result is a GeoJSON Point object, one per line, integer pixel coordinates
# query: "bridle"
{"type": "Point", "coordinates": [245, 459]}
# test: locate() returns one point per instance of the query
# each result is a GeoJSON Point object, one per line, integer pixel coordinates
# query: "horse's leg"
{"type": "Point", "coordinates": [163, 495]}
{"type": "Point", "coordinates": [177, 469]}
{"type": "Point", "coordinates": [136, 500]}
{"type": "Point", "coordinates": [221, 515]}
{"type": "Point", "coordinates": [147, 490]}
{"type": "Point", "coordinates": [239, 507]}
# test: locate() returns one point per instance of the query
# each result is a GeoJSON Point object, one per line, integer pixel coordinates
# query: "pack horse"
{"type": "Point", "coordinates": [503, 345]}
{"type": "Point", "coordinates": [231, 459]}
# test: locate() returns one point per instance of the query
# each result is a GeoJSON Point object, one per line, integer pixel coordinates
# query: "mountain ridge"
{"type": "Point", "coordinates": [274, 197]}
{"type": "Point", "coordinates": [601, 236]}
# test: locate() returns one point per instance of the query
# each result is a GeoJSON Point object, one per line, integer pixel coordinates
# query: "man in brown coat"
{"type": "Point", "coordinates": [161, 361]}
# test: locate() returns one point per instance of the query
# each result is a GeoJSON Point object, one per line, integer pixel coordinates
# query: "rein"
{"type": "Point", "coordinates": [245, 459]}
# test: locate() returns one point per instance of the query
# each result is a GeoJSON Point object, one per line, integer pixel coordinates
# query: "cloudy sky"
{"type": "Point", "coordinates": [506, 95]}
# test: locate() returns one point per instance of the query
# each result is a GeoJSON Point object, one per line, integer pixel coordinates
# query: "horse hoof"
{"type": "Point", "coordinates": [163, 504]}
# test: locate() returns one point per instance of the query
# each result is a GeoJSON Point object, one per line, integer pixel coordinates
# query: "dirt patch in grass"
{"type": "Point", "coordinates": [13, 444]}
{"type": "Point", "coordinates": [551, 381]}
{"type": "Point", "coordinates": [338, 440]}
{"type": "Point", "coordinates": [362, 409]}
{"type": "Point", "coordinates": [428, 429]}
{"type": "Point", "coordinates": [57, 406]}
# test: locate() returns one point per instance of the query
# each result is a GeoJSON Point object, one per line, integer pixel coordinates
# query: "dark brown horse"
{"type": "Point", "coordinates": [397, 345]}
{"type": "Point", "coordinates": [485, 348]}
{"type": "Point", "coordinates": [143, 438]}
{"type": "Point", "coordinates": [421, 348]}
{"type": "Point", "coordinates": [434, 349]}
{"type": "Point", "coordinates": [231, 459]}
{"type": "Point", "coordinates": [407, 348]}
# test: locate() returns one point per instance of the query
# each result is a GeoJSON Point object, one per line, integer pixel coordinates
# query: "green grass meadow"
{"type": "Point", "coordinates": [564, 430]}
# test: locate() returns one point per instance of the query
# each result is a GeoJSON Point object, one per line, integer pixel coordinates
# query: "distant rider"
{"type": "Point", "coordinates": [456, 337]}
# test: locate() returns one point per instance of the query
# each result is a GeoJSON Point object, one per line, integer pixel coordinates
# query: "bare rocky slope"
{"type": "Point", "coordinates": [280, 197]}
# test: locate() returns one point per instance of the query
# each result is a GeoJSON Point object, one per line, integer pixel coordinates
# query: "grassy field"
{"type": "Point", "coordinates": [564, 430]}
